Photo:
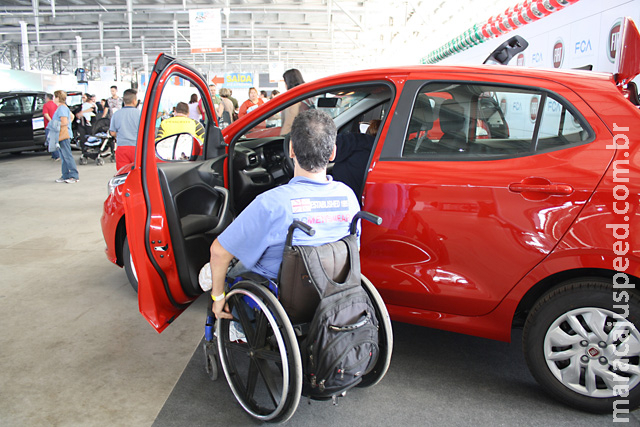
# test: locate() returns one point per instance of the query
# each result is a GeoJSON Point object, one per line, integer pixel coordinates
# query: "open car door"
{"type": "Point", "coordinates": [175, 201]}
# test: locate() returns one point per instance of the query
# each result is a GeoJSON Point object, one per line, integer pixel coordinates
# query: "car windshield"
{"type": "Point", "coordinates": [341, 105]}
{"type": "Point", "coordinates": [74, 99]}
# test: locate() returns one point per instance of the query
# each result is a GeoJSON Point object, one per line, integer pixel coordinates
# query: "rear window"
{"type": "Point", "coordinates": [482, 121]}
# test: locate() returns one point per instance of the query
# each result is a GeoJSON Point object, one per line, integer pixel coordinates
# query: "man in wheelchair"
{"type": "Point", "coordinates": [257, 237]}
{"type": "Point", "coordinates": [310, 323]}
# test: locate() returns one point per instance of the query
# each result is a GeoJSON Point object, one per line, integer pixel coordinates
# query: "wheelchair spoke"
{"type": "Point", "coordinates": [244, 321]}
{"type": "Point", "coordinates": [261, 330]}
{"type": "Point", "coordinates": [267, 375]}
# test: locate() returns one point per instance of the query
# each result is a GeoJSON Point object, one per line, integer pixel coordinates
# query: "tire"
{"type": "Point", "coordinates": [100, 161]}
{"type": "Point", "coordinates": [211, 364]}
{"type": "Point", "coordinates": [581, 349]}
{"type": "Point", "coordinates": [83, 160]}
{"type": "Point", "coordinates": [385, 337]}
{"type": "Point", "coordinates": [129, 268]}
{"type": "Point", "coordinates": [264, 369]}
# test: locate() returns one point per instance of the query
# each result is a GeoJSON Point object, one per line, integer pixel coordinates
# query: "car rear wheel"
{"type": "Point", "coordinates": [583, 347]}
{"type": "Point", "coordinates": [129, 268]}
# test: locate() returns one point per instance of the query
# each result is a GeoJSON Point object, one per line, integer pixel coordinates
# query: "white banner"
{"type": "Point", "coordinates": [204, 30]}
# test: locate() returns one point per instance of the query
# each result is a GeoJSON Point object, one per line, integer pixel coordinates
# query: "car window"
{"type": "Point", "coordinates": [177, 114]}
{"type": "Point", "coordinates": [470, 121]}
{"type": "Point", "coordinates": [39, 103]}
{"type": "Point", "coordinates": [26, 103]}
{"type": "Point", "coordinates": [351, 108]}
{"type": "Point", "coordinates": [10, 106]}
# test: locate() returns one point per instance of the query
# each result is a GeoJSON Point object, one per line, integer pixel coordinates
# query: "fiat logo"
{"type": "Point", "coordinates": [520, 60]}
{"type": "Point", "coordinates": [612, 46]}
{"type": "Point", "coordinates": [558, 54]}
{"type": "Point", "coordinates": [593, 352]}
{"type": "Point", "coordinates": [533, 108]}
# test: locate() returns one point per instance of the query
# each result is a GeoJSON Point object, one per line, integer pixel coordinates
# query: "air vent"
{"type": "Point", "coordinates": [253, 159]}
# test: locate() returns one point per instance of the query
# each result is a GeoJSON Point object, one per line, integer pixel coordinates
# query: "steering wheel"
{"type": "Point", "coordinates": [287, 162]}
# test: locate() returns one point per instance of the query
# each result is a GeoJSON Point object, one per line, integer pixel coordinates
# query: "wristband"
{"type": "Point", "coordinates": [219, 297]}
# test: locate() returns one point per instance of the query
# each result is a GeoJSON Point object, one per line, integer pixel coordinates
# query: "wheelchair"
{"type": "Point", "coordinates": [264, 370]}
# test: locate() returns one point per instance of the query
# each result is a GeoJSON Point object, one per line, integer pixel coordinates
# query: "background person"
{"type": "Point", "coordinates": [48, 109]}
{"type": "Point", "coordinates": [292, 78]}
{"type": "Point", "coordinates": [217, 103]}
{"type": "Point", "coordinates": [258, 235]}
{"type": "Point", "coordinates": [85, 116]}
{"type": "Point", "coordinates": [181, 123]}
{"type": "Point", "coordinates": [193, 108]}
{"type": "Point", "coordinates": [352, 156]}
{"type": "Point", "coordinates": [235, 105]}
{"type": "Point", "coordinates": [227, 107]}
{"type": "Point", "coordinates": [124, 126]}
{"type": "Point", "coordinates": [63, 115]}
{"type": "Point", "coordinates": [113, 104]}
{"type": "Point", "coordinates": [250, 104]}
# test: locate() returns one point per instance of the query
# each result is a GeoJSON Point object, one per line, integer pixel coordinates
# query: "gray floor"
{"type": "Point", "coordinates": [74, 351]}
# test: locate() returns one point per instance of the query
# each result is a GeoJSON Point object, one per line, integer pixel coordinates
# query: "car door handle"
{"type": "Point", "coordinates": [551, 189]}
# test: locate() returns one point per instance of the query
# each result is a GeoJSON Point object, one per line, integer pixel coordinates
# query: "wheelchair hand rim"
{"type": "Point", "coordinates": [283, 356]}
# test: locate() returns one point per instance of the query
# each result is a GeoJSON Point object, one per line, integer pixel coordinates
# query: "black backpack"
{"type": "Point", "coordinates": [342, 341]}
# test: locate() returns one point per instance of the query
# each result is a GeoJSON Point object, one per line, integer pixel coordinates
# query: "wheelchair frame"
{"type": "Point", "coordinates": [264, 371]}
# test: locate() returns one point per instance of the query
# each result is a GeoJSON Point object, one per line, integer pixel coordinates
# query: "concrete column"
{"type": "Point", "coordinates": [25, 45]}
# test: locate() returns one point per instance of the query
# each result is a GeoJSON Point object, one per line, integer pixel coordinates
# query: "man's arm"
{"type": "Point", "coordinates": [220, 259]}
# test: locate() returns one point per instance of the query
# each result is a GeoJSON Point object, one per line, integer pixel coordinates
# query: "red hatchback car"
{"type": "Point", "coordinates": [509, 198]}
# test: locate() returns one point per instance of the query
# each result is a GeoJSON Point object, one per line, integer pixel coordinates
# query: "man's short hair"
{"type": "Point", "coordinates": [129, 96]}
{"type": "Point", "coordinates": [313, 137]}
{"type": "Point", "coordinates": [182, 108]}
{"type": "Point", "coordinates": [114, 87]}
{"type": "Point", "coordinates": [49, 96]}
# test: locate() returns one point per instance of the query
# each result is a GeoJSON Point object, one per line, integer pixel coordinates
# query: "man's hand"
{"type": "Point", "coordinates": [221, 310]}
{"type": "Point", "coordinates": [220, 259]}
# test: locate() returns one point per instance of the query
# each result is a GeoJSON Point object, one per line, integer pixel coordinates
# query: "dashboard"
{"type": "Point", "coordinates": [258, 166]}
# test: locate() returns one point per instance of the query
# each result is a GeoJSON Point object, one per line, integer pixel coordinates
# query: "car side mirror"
{"type": "Point", "coordinates": [179, 147]}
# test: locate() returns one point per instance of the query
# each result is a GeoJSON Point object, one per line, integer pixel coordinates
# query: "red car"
{"type": "Point", "coordinates": [520, 210]}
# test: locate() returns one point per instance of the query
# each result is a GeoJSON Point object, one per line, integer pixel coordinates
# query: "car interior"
{"type": "Point", "coordinates": [469, 120]}
{"type": "Point", "coordinates": [197, 205]}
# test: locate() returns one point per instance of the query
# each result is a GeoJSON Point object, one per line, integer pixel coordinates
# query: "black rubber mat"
{"type": "Point", "coordinates": [436, 378]}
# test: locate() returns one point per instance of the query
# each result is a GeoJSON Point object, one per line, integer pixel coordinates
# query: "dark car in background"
{"type": "Point", "coordinates": [21, 121]}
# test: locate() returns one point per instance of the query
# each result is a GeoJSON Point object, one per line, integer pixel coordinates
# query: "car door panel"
{"type": "Point", "coordinates": [463, 236]}
{"type": "Point", "coordinates": [159, 199]}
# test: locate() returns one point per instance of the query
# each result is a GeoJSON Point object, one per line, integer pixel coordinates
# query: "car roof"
{"type": "Point", "coordinates": [564, 75]}
{"type": "Point", "coordinates": [21, 92]}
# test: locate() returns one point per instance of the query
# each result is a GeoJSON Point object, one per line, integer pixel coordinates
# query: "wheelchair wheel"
{"type": "Point", "coordinates": [385, 339]}
{"type": "Point", "coordinates": [264, 369]}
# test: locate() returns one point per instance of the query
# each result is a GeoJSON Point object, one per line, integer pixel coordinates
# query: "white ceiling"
{"type": "Point", "coordinates": [318, 36]}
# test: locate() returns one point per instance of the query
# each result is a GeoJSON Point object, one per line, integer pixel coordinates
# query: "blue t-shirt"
{"type": "Point", "coordinates": [125, 122]}
{"type": "Point", "coordinates": [62, 111]}
{"type": "Point", "coordinates": [257, 236]}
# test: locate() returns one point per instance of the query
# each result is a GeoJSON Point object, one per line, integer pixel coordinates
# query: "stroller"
{"type": "Point", "coordinates": [98, 147]}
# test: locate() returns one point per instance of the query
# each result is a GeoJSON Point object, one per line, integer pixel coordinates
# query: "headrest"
{"type": "Point", "coordinates": [452, 118]}
{"type": "Point", "coordinates": [422, 116]}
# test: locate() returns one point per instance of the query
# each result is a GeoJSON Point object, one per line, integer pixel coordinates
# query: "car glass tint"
{"type": "Point", "coordinates": [10, 106]}
{"type": "Point", "coordinates": [472, 121]}
{"type": "Point", "coordinates": [26, 104]}
{"type": "Point", "coordinates": [559, 127]}
{"type": "Point", "coordinates": [39, 103]}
